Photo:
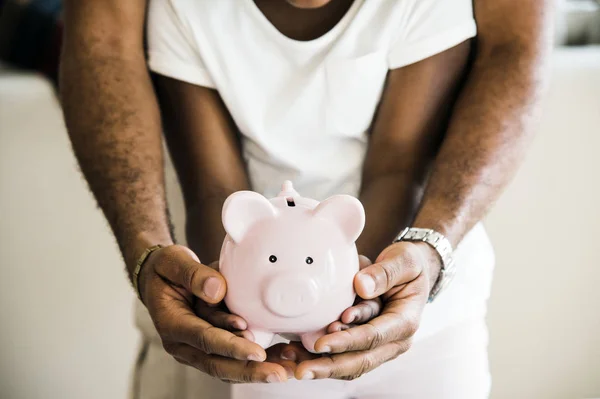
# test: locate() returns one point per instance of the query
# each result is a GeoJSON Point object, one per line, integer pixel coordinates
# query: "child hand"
{"type": "Point", "coordinates": [361, 312]}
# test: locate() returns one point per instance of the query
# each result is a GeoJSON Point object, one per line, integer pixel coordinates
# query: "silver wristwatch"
{"type": "Point", "coordinates": [443, 248]}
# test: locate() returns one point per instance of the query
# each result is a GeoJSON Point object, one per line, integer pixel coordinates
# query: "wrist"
{"type": "Point", "coordinates": [447, 226]}
{"type": "Point", "coordinates": [436, 252]}
{"type": "Point", "coordinates": [134, 247]}
{"type": "Point", "coordinates": [433, 263]}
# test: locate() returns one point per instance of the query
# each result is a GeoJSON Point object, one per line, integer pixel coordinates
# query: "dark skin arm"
{"type": "Point", "coordinates": [114, 125]}
{"type": "Point", "coordinates": [113, 120]}
{"type": "Point", "coordinates": [203, 142]}
{"type": "Point", "coordinates": [487, 135]}
{"type": "Point", "coordinates": [407, 133]}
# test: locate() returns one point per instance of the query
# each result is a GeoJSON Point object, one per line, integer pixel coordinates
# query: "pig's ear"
{"type": "Point", "coordinates": [345, 211]}
{"type": "Point", "coordinates": [242, 210]}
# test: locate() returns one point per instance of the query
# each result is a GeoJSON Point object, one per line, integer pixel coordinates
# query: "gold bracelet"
{"type": "Point", "coordinates": [138, 268]}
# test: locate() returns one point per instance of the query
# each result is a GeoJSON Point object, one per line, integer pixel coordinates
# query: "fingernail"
{"type": "Point", "coordinates": [309, 375]}
{"type": "Point", "coordinates": [289, 371]}
{"type": "Point", "coordinates": [254, 357]}
{"type": "Point", "coordinates": [351, 318]}
{"type": "Point", "coordinates": [325, 349]}
{"type": "Point", "coordinates": [211, 287]}
{"type": "Point", "coordinates": [367, 282]}
{"type": "Point", "coordinates": [194, 256]}
{"type": "Point", "coordinates": [288, 355]}
{"type": "Point", "coordinates": [272, 378]}
{"type": "Point", "coordinates": [239, 325]}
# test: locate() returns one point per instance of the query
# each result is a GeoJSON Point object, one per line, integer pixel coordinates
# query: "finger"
{"type": "Point", "coordinates": [399, 265]}
{"type": "Point", "coordinates": [175, 322]}
{"type": "Point", "coordinates": [228, 369]}
{"type": "Point", "coordinates": [293, 351]}
{"type": "Point", "coordinates": [350, 365]}
{"type": "Point", "coordinates": [219, 318]}
{"type": "Point", "coordinates": [212, 340]}
{"type": "Point", "coordinates": [288, 365]}
{"type": "Point", "coordinates": [398, 321]}
{"type": "Point", "coordinates": [246, 334]}
{"type": "Point", "coordinates": [362, 312]}
{"type": "Point", "coordinates": [289, 360]}
{"type": "Point", "coordinates": [180, 266]}
{"type": "Point", "coordinates": [337, 326]}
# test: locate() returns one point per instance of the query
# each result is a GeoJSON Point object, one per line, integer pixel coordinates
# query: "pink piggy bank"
{"type": "Point", "coordinates": [290, 262]}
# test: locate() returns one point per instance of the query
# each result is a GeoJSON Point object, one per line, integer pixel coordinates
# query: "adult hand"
{"type": "Point", "coordinates": [169, 283]}
{"type": "Point", "coordinates": [219, 316]}
{"type": "Point", "coordinates": [402, 275]}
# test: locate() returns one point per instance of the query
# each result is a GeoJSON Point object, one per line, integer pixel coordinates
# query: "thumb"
{"type": "Point", "coordinates": [181, 266]}
{"type": "Point", "coordinates": [398, 265]}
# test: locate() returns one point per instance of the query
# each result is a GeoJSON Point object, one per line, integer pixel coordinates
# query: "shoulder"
{"type": "Point", "coordinates": [418, 29]}
{"type": "Point", "coordinates": [409, 12]}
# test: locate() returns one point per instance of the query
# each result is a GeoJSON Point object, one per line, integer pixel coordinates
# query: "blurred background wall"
{"type": "Point", "coordinates": [544, 313]}
{"type": "Point", "coordinates": [65, 306]}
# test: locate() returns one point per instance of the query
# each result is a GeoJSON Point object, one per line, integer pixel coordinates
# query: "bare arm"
{"type": "Point", "coordinates": [473, 156]}
{"type": "Point", "coordinates": [204, 145]}
{"type": "Point", "coordinates": [113, 119]}
{"type": "Point", "coordinates": [491, 124]}
{"type": "Point", "coordinates": [488, 132]}
{"type": "Point", "coordinates": [407, 133]}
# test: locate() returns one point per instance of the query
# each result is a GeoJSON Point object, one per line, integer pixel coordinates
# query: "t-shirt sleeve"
{"type": "Point", "coordinates": [172, 50]}
{"type": "Point", "coordinates": [429, 28]}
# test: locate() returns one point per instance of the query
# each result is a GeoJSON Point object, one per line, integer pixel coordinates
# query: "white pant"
{"type": "Point", "coordinates": [451, 364]}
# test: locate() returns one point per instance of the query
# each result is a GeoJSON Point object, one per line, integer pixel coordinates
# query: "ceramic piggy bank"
{"type": "Point", "coordinates": [289, 262]}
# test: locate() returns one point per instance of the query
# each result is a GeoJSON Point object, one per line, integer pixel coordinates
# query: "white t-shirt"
{"type": "Point", "coordinates": [304, 107]}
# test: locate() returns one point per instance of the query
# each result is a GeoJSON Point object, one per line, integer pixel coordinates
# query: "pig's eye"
{"type": "Point", "coordinates": [309, 260]}
{"type": "Point", "coordinates": [272, 258]}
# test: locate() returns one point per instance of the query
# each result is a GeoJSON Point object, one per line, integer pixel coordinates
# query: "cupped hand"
{"type": "Point", "coordinates": [402, 277]}
{"type": "Point", "coordinates": [219, 316]}
{"type": "Point", "coordinates": [170, 282]}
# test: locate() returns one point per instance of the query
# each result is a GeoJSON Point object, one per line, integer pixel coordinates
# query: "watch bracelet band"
{"type": "Point", "coordinates": [442, 247]}
{"type": "Point", "coordinates": [138, 268]}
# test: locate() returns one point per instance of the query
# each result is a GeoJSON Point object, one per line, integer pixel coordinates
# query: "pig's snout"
{"type": "Point", "coordinates": [290, 296]}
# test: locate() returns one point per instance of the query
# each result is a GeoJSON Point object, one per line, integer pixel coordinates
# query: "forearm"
{"type": "Point", "coordinates": [204, 228]}
{"type": "Point", "coordinates": [114, 125]}
{"type": "Point", "coordinates": [488, 134]}
{"type": "Point", "coordinates": [390, 203]}
{"type": "Point", "coordinates": [207, 155]}
{"type": "Point", "coordinates": [412, 119]}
